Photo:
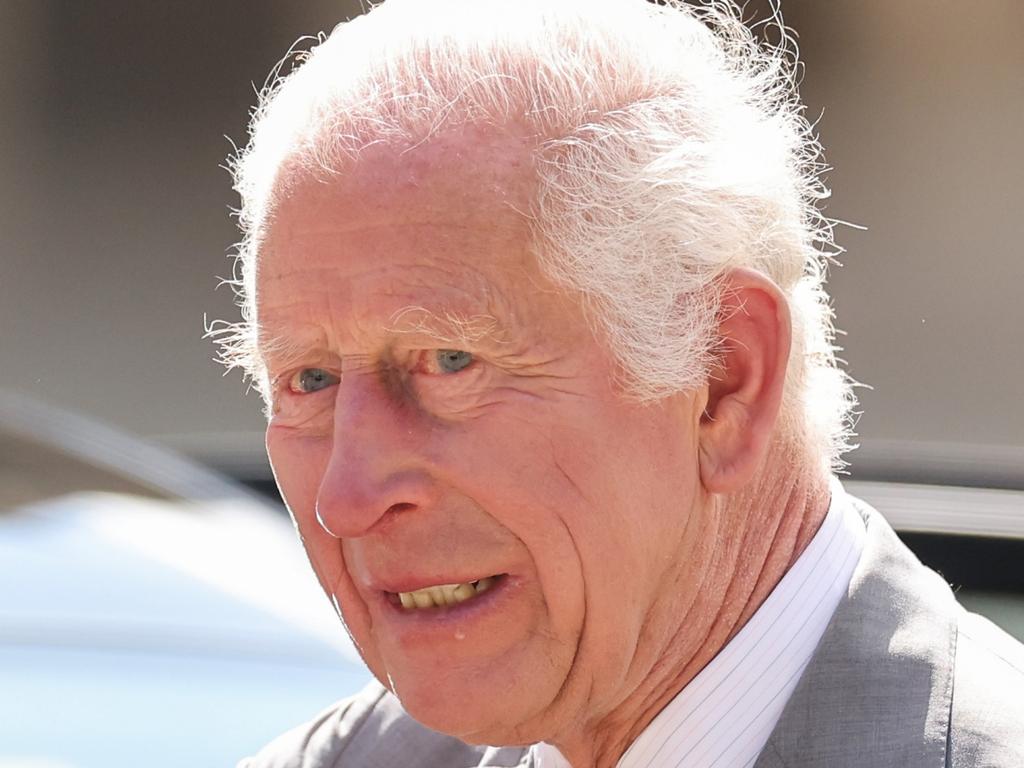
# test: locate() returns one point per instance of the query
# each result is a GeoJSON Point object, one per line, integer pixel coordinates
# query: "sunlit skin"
{"type": "Point", "coordinates": [623, 571]}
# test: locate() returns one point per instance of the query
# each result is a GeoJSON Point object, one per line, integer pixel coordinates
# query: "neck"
{"type": "Point", "coordinates": [766, 528]}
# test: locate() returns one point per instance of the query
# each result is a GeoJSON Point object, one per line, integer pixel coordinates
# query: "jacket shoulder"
{"type": "Point", "coordinates": [987, 717]}
{"type": "Point", "coordinates": [368, 730]}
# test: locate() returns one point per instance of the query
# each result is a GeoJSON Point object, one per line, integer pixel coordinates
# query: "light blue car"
{"type": "Point", "coordinates": [173, 623]}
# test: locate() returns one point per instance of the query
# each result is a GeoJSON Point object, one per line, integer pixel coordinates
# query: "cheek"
{"type": "Point", "coordinates": [509, 468]}
{"type": "Point", "coordinates": [299, 463]}
{"type": "Point", "coordinates": [605, 501]}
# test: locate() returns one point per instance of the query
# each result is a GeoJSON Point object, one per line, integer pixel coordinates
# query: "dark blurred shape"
{"type": "Point", "coordinates": [46, 452]}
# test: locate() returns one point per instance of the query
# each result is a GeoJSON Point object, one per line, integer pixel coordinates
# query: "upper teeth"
{"type": "Point", "coordinates": [444, 594]}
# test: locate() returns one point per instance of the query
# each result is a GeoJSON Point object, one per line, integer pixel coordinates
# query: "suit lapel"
{"type": "Point", "coordinates": [505, 757]}
{"type": "Point", "coordinates": [878, 690]}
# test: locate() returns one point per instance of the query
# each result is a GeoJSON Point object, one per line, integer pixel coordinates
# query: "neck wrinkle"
{"type": "Point", "coordinates": [779, 514]}
{"type": "Point", "coordinates": [799, 505]}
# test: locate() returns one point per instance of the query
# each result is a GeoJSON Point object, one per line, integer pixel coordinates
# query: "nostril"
{"type": "Point", "coordinates": [392, 515]}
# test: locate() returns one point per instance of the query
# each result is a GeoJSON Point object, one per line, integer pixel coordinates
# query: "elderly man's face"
{"type": "Point", "coordinates": [444, 415]}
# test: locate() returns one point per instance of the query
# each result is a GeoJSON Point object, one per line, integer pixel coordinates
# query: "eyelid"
{"type": "Point", "coordinates": [283, 383]}
{"type": "Point", "coordinates": [426, 361]}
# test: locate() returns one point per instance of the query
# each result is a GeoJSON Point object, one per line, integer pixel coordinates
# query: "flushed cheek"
{"type": "Point", "coordinates": [560, 578]}
{"type": "Point", "coordinates": [354, 611]}
{"type": "Point", "coordinates": [326, 556]}
{"type": "Point", "coordinates": [507, 467]}
{"type": "Point", "coordinates": [298, 463]}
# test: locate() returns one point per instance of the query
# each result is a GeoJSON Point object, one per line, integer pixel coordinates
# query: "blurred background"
{"type": "Point", "coordinates": [118, 115]}
{"type": "Point", "coordinates": [115, 120]}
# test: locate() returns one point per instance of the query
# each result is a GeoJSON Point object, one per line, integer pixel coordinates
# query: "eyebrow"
{"type": "Point", "coordinates": [284, 350]}
{"type": "Point", "coordinates": [448, 329]}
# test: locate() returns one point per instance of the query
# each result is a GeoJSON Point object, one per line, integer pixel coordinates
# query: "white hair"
{"type": "Point", "coordinates": [671, 147]}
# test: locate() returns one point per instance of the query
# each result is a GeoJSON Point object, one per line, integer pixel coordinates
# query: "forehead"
{"type": "Point", "coordinates": [469, 174]}
{"type": "Point", "coordinates": [439, 226]}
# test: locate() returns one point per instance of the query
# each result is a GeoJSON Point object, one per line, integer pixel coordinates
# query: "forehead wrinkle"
{"type": "Point", "coordinates": [438, 297]}
{"type": "Point", "coordinates": [454, 291]}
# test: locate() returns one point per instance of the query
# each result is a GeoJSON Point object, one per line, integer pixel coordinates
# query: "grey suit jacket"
{"type": "Point", "coordinates": [903, 677]}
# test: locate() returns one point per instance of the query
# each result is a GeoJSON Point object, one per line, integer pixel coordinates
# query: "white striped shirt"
{"type": "Point", "coordinates": [724, 716]}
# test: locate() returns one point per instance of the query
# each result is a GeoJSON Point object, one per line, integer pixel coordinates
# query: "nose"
{"type": "Point", "coordinates": [377, 467]}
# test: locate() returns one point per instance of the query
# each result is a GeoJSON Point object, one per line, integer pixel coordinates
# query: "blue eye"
{"type": "Point", "coordinates": [452, 360]}
{"type": "Point", "coordinates": [312, 380]}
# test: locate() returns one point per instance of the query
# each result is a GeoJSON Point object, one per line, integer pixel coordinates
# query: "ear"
{"type": "Point", "coordinates": [744, 390]}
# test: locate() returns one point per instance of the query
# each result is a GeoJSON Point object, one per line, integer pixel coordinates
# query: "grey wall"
{"type": "Point", "coordinates": [114, 220]}
{"type": "Point", "coordinates": [114, 217]}
{"type": "Point", "coordinates": [923, 118]}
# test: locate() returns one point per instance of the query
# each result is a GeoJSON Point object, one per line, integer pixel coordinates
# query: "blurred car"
{"type": "Point", "coordinates": [151, 612]}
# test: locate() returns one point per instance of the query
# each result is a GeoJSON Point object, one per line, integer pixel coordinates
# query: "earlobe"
{"type": "Point", "coordinates": [744, 390]}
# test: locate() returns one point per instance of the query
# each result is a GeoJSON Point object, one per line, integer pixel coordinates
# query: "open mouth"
{"type": "Point", "coordinates": [442, 595]}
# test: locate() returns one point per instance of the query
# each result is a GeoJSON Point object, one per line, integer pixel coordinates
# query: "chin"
{"type": "Point", "coordinates": [476, 713]}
